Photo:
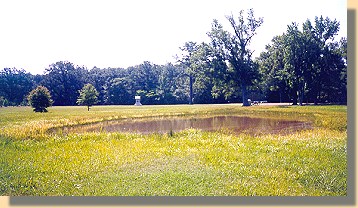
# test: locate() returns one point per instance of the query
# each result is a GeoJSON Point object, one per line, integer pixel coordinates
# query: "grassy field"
{"type": "Point", "coordinates": [192, 162]}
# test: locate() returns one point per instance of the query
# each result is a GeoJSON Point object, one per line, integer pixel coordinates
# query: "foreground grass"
{"type": "Point", "coordinates": [192, 162]}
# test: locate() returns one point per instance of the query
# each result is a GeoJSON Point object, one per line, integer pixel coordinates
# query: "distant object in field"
{"type": "Point", "coordinates": [256, 102]}
{"type": "Point", "coordinates": [137, 101]}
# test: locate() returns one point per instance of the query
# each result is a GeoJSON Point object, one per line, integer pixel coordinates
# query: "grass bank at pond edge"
{"type": "Point", "coordinates": [192, 162]}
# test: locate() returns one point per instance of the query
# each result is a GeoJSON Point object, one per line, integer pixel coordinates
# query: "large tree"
{"type": "Point", "coordinates": [193, 62]}
{"type": "Point", "coordinates": [295, 62]}
{"type": "Point", "coordinates": [331, 62]}
{"type": "Point", "coordinates": [313, 59]}
{"type": "Point", "coordinates": [308, 61]}
{"type": "Point", "coordinates": [101, 80]}
{"type": "Point", "coordinates": [117, 92]}
{"type": "Point", "coordinates": [15, 84]}
{"type": "Point", "coordinates": [235, 49]}
{"type": "Point", "coordinates": [64, 80]}
{"type": "Point", "coordinates": [189, 65]}
{"type": "Point", "coordinates": [274, 79]}
{"type": "Point", "coordinates": [167, 84]}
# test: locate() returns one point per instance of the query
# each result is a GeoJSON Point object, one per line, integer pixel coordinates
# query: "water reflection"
{"type": "Point", "coordinates": [235, 124]}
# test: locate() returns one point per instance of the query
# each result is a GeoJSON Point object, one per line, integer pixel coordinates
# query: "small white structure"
{"type": "Point", "coordinates": [137, 101]}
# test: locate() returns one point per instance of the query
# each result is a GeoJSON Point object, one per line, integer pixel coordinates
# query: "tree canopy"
{"type": "Point", "coordinates": [40, 99]}
{"type": "Point", "coordinates": [307, 64]}
{"type": "Point", "coordinates": [88, 96]}
{"type": "Point", "coordinates": [304, 64]}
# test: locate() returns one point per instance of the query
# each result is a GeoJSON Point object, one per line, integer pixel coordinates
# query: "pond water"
{"type": "Point", "coordinates": [236, 124]}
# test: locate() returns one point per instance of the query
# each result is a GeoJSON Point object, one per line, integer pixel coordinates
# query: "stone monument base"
{"type": "Point", "coordinates": [137, 103]}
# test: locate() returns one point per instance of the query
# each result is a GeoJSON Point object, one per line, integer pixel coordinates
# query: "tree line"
{"type": "Point", "coordinates": [304, 64]}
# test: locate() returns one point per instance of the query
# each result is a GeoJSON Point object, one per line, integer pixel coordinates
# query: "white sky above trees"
{"type": "Point", "coordinates": [118, 33]}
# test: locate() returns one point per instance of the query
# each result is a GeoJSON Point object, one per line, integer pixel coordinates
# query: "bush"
{"type": "Point", "coordinates": [40, 99]}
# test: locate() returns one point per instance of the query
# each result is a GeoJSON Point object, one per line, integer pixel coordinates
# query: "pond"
{"type": "Point", "coordinates": [236, 124]}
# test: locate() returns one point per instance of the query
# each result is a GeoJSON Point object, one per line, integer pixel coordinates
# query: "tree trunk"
{"type": "Point", "coordinates": [301, 91]}
{"type": "Point", "coordinates": [294, 102]}
{"type": "Point", "coordinates": [191, 89]}
{"type": "Point", "coordinates": [294, 97]}
{"type": "Point", "coordinates": [88, 108]}
{"type": "Point", "coordinates": [315, 98]}
{"type": "Point", "coordinates": [300, 97]}
{"type": "Point", "coordinates": [245, 102]}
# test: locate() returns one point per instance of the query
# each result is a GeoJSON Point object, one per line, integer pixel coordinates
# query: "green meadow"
{"type": "Point", "coordinates": [193, 162]}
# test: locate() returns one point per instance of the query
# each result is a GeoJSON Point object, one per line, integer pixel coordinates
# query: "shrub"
{"type": "Point", "coordinates": [40, 99]}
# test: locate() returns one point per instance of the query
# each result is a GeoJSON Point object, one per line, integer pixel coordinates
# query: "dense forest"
{"type": "Point", "coordinates": [304, 64]}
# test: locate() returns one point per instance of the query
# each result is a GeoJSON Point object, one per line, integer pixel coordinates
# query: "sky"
{"type": "Point", "coordinates": [117, 33]}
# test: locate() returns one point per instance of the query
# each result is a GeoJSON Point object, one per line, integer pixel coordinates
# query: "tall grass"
{"type": "Point", "coordinates": [192, 162]}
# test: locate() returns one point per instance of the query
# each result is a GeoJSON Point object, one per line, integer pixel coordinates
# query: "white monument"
{"type": "Point", "coordinates": [137, 101]}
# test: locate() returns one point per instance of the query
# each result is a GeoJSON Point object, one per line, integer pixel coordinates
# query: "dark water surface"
{"type": "Point", "coordinates": [236, 124]}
